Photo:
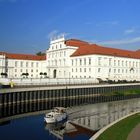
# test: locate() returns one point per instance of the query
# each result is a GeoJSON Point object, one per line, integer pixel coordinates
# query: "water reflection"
{"type": "Point", "coordinates": [88, 119]}
{"type": "Point", "coordinates": [56, 129]}
{"type": "Point", "coordinates": [97, 116]}
{"type": "Point", "coordinates": [55, 126]}
{"type": "Point", "coordinates": [82, 120]}
{"type": "Point", "coordinates": [66, 129]}
{"type": "Point", "coordinates": [5, 123]}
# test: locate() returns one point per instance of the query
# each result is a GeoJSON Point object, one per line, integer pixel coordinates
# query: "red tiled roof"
{"type": "Point", "coordinates": [75, 42]}
{"type": "Point", "coordinates": [85, 48]}
{"type": "Point", "coordinates": [23, 56]}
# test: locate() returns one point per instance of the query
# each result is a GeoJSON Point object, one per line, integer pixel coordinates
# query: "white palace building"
{"type": "Point", "coordinates": [74, 59]}
{"type": "Point", "coordinates": [17, 65]}
{"type": "Point", "coordinates": [79, 59]}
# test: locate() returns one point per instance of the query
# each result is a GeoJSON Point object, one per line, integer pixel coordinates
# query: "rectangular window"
{"type": "Point", "coordinates": [118, 70]}
{"type": "Point", "coordinates": [99, 69]}
{"type": "Point", "coordinates": [85, 61]}
{"type": "Point", "coordinates": [133, 64]}
{"type": "Point", "coordinates": [99, 60]}
{"type": "Point", "coordinates": [136, 64]}
{"type": "Point", "coordinates": [118, 62]}
{"type": "Point", "coordinates": [114, 62]}
{"type": "Point", "coordinates": [89, 69]}
{"type": "Point", "coordinates": [16, 63]}
{"type": "Point", "coordinates": [89, 61]}
{"type": "Point", "coordinates": [76, 62]}
{"type": "Point", "coordinates": [84, 69]}
{"type": "Point", "coordinates": [72, 62]}
{"type": "Point", "coordinates": [109, 61]}
{"type": "Point", "coordinates": [32, 64]}
{"type": "Point", "coordinates": [80, 62]}
{"type": "Point", "coordinates": [72, 70]}
{"type": "Point", "coordinates": [26, 64]}
{"type": "Point", "coordinates": [21, 64]}
{"type": "Point", "coordinates": [37, 64]}
{"type": "Point", "coordinates": [122, 63]}
{"type": "Point", "coordinates": [129, 63]}
{"type": "Point", "coordinates": [64, 53]}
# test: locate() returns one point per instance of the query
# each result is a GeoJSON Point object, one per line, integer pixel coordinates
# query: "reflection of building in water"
{"type": "Point", "coordinates": [88, 119]}
{"type": "Point", "coordinates": [70, 129]}
{"type": "Point", "coordinates": [97, 116]}
{"type": "Point", "coordinates": [57, 129]}
{"type": "Point", "coordinates": [60, 129]}
{"type": "Point", "coordinates": [81, 118]}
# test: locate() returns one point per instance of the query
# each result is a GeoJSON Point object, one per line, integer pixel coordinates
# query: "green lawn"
{"type": "Point", "coordinates": [127, 92]}
{"type": "Point", "coordinates": [120, 130]}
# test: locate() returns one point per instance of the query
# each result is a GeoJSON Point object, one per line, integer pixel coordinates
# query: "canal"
{"type": "Point", "coordinates": [82, 123]}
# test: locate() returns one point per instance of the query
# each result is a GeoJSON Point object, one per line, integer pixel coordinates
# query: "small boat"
{"type": "Point", "coordinates": [58, 114]}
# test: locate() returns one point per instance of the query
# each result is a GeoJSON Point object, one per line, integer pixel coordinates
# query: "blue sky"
{"type": "Point", "coordinates": [27, 25]}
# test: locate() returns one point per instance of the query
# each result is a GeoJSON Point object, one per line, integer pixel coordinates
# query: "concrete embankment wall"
{"type": "Point", "coordinates": [16, 101]}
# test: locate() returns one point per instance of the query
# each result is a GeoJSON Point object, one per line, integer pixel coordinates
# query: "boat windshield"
{"type": "Point", "coordinates": [49, 116]}
{"type": "Point", "coordinates": [60, 110]}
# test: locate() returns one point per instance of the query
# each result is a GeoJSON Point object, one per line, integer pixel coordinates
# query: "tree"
{"type": "Point", "coordinates": [45, 74]}
{"type": "Point", "coordinates": [41, 73]}
{"type": "Point", "coordinates": [27, 74]}
{"type": "Point", "coordinates": [4, 74]}
{"type": "Point", "coordinates": [23, 74]}
{"type": "Point", "coordinates": [40, 53]}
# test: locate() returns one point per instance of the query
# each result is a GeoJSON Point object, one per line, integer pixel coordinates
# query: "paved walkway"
{"type": "Point", "coordinates": [135, 133]}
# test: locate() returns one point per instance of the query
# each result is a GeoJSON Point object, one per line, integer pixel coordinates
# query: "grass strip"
{"type": "Point", "coordinates": [120, 130]}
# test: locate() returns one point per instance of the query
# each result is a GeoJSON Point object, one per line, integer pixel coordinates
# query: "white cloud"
{"type": "Point", "coordinates": [130, 31]}
{"type": "Point", "coordinates": [52, 34]}
{"type": "Point", "coordinates": [121, 42]}
{"type": "Point", "coordinates": [56, 33]}
{"type": "Point", "coordinates": [105, 23]}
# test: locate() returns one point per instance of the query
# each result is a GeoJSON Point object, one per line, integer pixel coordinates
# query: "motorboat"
{"type": "Point", "coordinates": [58, 114]}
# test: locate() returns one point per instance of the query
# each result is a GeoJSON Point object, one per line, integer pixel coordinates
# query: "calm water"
{"type": "Point", "coordinates": [93, 116]}
{"type": "Point", "coordinates": [32, 127]}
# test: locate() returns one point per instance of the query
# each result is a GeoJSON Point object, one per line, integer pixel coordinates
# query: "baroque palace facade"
{"type": "Point", "coordinates": [18, 65]}
{"type": "Point", "coordinates": [74, 59]}
{"type": "Point", "coordinates": [79, 59]}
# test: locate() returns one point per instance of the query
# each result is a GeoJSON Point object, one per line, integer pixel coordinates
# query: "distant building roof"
{"type": "Point", "coordinates": [84, 48]}
{"type": "Point", "coordinates": [23, 56]}
{"type": "Point", "coordinates": [75, 42]}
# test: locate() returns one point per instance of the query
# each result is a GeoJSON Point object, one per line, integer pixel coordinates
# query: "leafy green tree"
{"type": "Point", "coordinates": [40, 53]}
